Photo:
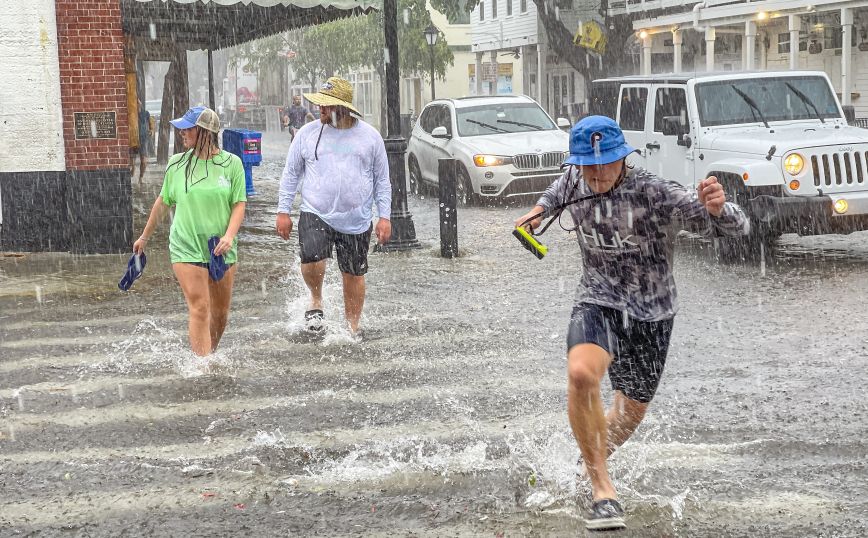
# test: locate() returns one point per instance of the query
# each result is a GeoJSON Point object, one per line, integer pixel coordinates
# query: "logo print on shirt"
{"type": "Point", "coordinates": [223, 183]}
{"type": "Point", "coordinates": [601, 241]}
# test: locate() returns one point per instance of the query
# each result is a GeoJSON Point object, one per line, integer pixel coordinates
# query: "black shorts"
{"type": "Point", "coordinates": [638, 348]}
{"type": "Point", "coordinates": [316, 238]}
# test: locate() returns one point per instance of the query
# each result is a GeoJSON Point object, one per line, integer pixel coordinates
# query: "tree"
{"type": "Point", "coordinates": [267, 59]}
{"type": "Point", "coordinates": [355, 42]}
{"type": "Point", "coordinates": [359, 42]}
{"type": "Point", "coordinates": [589, 64]}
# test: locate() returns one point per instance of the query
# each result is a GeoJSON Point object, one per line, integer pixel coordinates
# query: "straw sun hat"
{"type": "Point", "coordinates": [335, 92]}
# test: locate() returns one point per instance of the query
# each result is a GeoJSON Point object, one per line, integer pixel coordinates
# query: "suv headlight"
{"type": "Point", "coordinates": [794, 164]}
{"type": "Point", "coordinates": [491, 160]}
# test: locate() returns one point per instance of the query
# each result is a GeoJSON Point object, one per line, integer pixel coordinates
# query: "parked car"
{"type": "Point", "coordinates": [506, 146]}
{"type": "Point", "coordinates": [779, 143]}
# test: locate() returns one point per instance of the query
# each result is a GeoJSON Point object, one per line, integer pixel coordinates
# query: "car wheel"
{"type": "Point", "coordinates": [414, 176]}
{"type": "Point", "coordinates": [464, 189]}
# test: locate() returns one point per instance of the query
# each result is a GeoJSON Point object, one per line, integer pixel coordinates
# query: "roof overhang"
{"type": "Point", "coordinates": [216, 24]}
{"type": "Point", "coordinates": [740, 13]}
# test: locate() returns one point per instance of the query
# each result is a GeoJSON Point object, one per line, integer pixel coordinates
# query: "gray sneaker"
{"type": "Point", "coordinates": [606, 515]}
{"type": "Point", "coordinates": [313, 321]}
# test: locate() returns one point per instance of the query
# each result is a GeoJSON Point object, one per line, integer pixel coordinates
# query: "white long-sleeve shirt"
{"type": "Point", "coordinates": [341, 176]}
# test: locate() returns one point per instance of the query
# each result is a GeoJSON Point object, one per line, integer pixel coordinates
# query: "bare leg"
{"type": "Point", "coordinates": [194, 284]}
{"type": "Point", "coordinates": [586, 366]}
{"type": "Point", "coordinates": [623, 419]}
{"type": "Point", "coordinates": [354, 299]}
{"type": "Point", "coordinates": [221, 296]}
{"type": "Point", "coordinates": [143, 157]}
{"type": "Point", "coordinates": [313, 274]}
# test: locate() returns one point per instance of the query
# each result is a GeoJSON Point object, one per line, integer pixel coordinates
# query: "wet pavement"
{"type": "Point", "coordinates": [448, 419]}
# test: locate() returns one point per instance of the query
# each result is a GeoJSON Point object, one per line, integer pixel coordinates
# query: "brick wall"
{"type": "Point", "coordinates": [92, 79]}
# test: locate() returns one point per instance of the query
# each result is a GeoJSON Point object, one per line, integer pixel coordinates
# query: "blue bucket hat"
{"type": "Point", "coordinates": [597, 140]}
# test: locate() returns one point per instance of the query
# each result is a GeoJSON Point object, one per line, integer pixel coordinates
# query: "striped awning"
{"type": "Point", "coordinates": [303, 4]}
{"type": "Point", "coordinates": [216, 24]}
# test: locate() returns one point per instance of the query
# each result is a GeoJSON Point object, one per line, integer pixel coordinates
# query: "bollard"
{"type": "Point", "coordinates": [447, 171]}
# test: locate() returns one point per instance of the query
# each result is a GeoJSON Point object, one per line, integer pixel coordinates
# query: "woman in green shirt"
{"type": "Point", "coordinates": [206, 186]}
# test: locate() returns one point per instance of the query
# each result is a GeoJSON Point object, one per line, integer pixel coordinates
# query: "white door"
{"type": "Point", "coordinates": [664, 155]}
{"type": "Point", "coordinates": [440, 147]}
{"type": "Point", "coordinates": [632, 117]}
{"type": "Point", "coordinates": [425, 147]}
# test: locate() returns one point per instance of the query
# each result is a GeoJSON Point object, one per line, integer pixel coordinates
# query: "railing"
{"type": "Point", "coordinates": [619, 7]}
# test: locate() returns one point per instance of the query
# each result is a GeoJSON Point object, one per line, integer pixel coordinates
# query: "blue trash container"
{"type": "Point", "coordinates": [247, 145]}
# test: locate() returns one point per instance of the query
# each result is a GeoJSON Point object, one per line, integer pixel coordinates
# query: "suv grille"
{"type": "Point", "coordinates": [840, 169]}
{"type": "Point", "coordinates": [533, 161]}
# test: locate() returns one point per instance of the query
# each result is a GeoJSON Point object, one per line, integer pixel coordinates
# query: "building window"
{"type": "Point", "coordinates": [784, 43]}
{"type": "Point", "coordinates": [481, 11]}
{"type": "Point", "coordinates": [508, 8]}
{"type": "Point", "coordinates": [493, 9]}
{"type": "Point", "coordinates": [523, 6]}
{"type": "Point", "coordinates": [833, 38]}
{"type": "Point", "coordinates": [462, 16]}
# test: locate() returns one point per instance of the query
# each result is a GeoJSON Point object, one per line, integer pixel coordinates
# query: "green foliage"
{"type": "Point", "coordinates": [352, 43]}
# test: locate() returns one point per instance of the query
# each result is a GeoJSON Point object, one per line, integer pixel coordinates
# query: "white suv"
{"type": "Point", "coordinates": [506, 146]}
{"type": "Point", "coordinates": [778, 141]}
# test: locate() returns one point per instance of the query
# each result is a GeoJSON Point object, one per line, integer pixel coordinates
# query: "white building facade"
{"type": "Point", "coordinates": [510, 54]}
{"type": "Point", "coordinates": [728, 35]}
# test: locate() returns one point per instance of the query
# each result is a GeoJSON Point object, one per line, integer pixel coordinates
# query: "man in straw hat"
{"type": "Point", "coordinates": [626, 223]}
{"type": "Point", "coordinates": [342, 166]}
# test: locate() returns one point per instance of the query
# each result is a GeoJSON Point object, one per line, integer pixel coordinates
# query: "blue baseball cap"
{"type": "Point", "coordinates": [198, 115]}
{"type": "Point", "coordinates": [597, 140]}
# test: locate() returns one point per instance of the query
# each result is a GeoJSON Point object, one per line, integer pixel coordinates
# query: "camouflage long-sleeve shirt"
{"type": "Point", "coordinates": [627, 237]}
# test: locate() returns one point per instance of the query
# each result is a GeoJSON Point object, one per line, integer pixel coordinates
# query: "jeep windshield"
{"type": "Point", "coordinates": [720, 104]}
{"type": "Point", "coordinates": [502, 118]}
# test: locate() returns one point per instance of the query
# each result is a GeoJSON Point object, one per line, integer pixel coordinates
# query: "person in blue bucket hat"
{"type": "Point", "coordinates": [626, 220]}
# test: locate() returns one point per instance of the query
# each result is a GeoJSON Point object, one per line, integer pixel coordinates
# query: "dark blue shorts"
{"type": "Point", "coordinates": [316, 239]}
{"type": "Point", "coordinates": [638, 348]}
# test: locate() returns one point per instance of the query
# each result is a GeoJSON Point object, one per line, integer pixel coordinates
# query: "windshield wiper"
{"type": "Point", "coordinates": [805, 100]}
{"type": "Point", "coordinates": [751, 103]}
{"type": "Point", "coordinates": [531, 125]}
{"type": "Point", "coordinates": [487, 126]}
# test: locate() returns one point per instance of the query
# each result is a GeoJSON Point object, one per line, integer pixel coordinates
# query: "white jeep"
{"type": "Point", "coordinates": [778, 142]}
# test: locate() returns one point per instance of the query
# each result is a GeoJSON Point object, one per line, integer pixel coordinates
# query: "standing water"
{"type": "Point", "coordinates": [448, 418]}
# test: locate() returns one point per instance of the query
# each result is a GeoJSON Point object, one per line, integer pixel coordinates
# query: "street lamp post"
{"type": "Point", "coordinates": [403, 230]}
{"type": "Point", "coordinates": [431, 35]}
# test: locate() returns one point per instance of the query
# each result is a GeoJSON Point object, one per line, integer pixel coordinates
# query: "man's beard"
{"type": "Point", "coordinates": [336, 116]}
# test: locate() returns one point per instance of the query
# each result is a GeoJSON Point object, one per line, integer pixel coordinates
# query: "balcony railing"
{"type": "Point", "coordinates": [619, 7]}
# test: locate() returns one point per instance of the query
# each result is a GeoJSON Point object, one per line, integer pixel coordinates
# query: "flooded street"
{"type": "Point", "coordinates": [449, 419]}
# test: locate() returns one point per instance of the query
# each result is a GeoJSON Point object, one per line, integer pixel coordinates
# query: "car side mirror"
{"type": "Point", "coordinates": [674, 126]}
{"type": "Point", "coordinates": [564, 123]}
{"type": "Point", "coordinates": [441, 132]}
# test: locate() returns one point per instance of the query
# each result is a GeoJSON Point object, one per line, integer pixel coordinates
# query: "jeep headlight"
{"type": "Point", "coordinates": [491, 160]}
{"type": "Point", "coordinates": [794, 164]}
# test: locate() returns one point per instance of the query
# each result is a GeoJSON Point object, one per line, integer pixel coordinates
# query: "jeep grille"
{"type": "Point", "coordinates": [840, 168]}
{"type": "Point", "coordinates": [532, 161]}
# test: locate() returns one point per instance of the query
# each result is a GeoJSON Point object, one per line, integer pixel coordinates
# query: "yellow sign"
{"type": "Point", "coordinates": [591, 36]}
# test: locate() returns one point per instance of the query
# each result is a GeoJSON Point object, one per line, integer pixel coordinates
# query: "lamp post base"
{"type": "Point", "coordinates": [403, 229]}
